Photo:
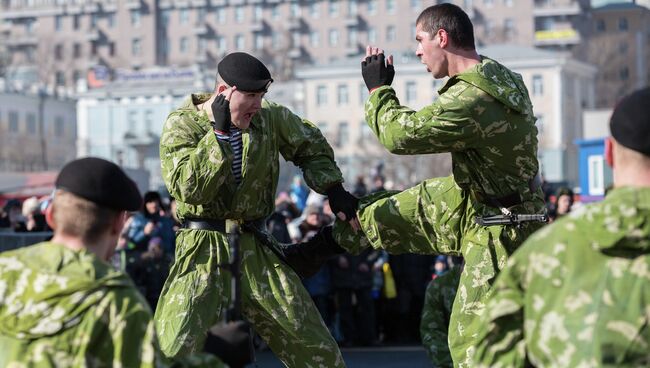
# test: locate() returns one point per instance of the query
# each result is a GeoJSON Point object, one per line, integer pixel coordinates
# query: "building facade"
{"type": "Point", "coordinates": [560, 88]}
{"type": "Point", "coordinates": [37, 131]}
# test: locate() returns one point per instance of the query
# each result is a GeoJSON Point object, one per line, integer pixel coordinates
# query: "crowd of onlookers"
{"type": "Point", "coordinates": [364, 299]}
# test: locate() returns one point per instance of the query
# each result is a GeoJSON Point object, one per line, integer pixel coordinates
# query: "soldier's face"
{"type": "Point", "coordinates": [430, 52]}
{"type": "Point", "coordinates": [243, 106]}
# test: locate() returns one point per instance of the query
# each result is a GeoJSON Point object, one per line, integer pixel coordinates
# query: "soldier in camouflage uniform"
{"type": "Point", "coordinates": [577, 293]}
{"type": "Point", "coordinates": [434, 325]}
{"type": "Point", "coordinates": [61, 303]}
{"type": "Point", "coordinates": [484, 117]}
{"type": "Point", "coordinates": [198, 150]}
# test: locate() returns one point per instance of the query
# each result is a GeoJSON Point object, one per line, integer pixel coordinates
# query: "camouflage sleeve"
{"type": "Point", "coordinates": [194, 163]}
{"type": "Point", "coordinates": [302, 143]}
{"type": "Point", "coordinates": [444, 126]}
{"type": "Point", "coordinates": [501, 340]}
{"type": "Point", "coordinates": [131, 338]}
{"type": "Point", "coordinates": [434, 327]}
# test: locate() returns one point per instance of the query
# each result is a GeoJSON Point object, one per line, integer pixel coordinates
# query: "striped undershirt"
{"type": "Point", "coordinates": [234, 137]}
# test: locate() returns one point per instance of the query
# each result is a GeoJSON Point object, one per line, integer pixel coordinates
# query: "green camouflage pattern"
{"type": "Point", "coordinates": [484, 117]}
{"type": "Point", "coordinates": [434, 324]}
{"type": "Point", "coordinates": [577, 293]}
{"type": "Point", "coordinates": [65, 308]}
{"type": "Point", "coordinates": [196, 167]}
{"type": "Point", "coordinates": [196, 170]}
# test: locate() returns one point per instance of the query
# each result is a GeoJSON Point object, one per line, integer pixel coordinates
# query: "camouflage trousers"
{"type": "Point", "coordinates": [437, 217]}
{"type": "Point", "coordinates": [274, 301]}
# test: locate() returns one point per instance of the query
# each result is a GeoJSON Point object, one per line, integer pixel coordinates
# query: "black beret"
{"type": "Point", "coordinates": [630, 122]}
{"type": "Point", "coordinates": [101, 182]}
{"type": "Point", "coordinates": [245, 72]}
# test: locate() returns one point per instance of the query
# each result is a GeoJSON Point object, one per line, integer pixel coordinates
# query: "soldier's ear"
{"type": "Point", "coordinates": [49, 216]}
{"type": "Point", "coordinates": [609, 152]}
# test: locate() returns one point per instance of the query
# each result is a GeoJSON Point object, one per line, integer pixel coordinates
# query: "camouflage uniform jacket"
{"type": "Point", "coordinates": [577, 293]}
{"type": "Point", "coordinates": [65, 308]}
{"type": "Point", "coordinates": [483, 116]}
{"type": "Point", "coordinates": [196, 167]}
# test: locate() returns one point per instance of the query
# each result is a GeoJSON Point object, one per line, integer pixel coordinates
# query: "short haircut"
{"type": "Point", "coordinates": [452, 19]}
{"type": "Point", "coordinates": [76, 216]}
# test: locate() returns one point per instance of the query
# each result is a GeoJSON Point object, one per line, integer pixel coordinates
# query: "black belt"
{"type": "Point", "coordinates": [218, 224]}
{"type": "Point", "coordinates": [511, 199]}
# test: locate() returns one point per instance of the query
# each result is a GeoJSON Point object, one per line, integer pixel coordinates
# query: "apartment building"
{"type": "Point", "coordinates": [560, 88]}
{"type": "Point", "coordinates": [57, 42]}
{"type": "Point", "coordinates": [37, 131]}
{"type": "Point", "coordinates": [620, 47]}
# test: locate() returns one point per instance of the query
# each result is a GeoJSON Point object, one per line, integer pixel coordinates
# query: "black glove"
{"type": "Point", "coordinates": [231, 342]}
{"type": "Point", "coordinates": [342, 201]}
{"type": "Point", "coordinates": [221, 114]}
{"type": "Point", "coordinates": [376, 72]}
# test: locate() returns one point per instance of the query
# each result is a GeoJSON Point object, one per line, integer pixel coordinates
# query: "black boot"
{"type": "Point", "coordinates": [308, 257]}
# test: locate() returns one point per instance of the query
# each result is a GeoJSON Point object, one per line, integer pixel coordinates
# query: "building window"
{"type": "Point", "coordinates": [58, 52]}
{"type": "Point", "coordinates": [200, 16]}
{"type": "Point", "coordinates": [295, 39]}
{"type": "Point", "coordinates": [76, 75]}
{"type": "Point", "coordinates": [258, 12]}
{"type": "Point", "coordinates": [29, 54]}
{"type": "Point", "coordinates": [416, 4]}
{"type": "Point", "coordinates": [342, 94]}
{"type": "Point", "coordinates": [321, 95]}
{"type": "Point", "coordinates": [314, 9]}
{"type": "Point", "coordinates": [276, 40]}
{"type": "Point", "coordinates": [624, 73]}
{"type": "Point", "coordinates": [352, 38]}
{"type": "Point", "coordinates": [509, 27]}
{"type": "Point", "coordinates": [58, 22]}
{"type": "Point", "coordinates": [59, 126]}
{"type": "Point", "coordinates": [600, 25]}
{"type": "Point", "coordinates": [93, 20]}
{"type": "Point", "coordinates": [366, 133]}
{"type": "Point", "coordinates": [372, 7]}
{"type": "Point", "coordinates": [538, 85]}
{"type": "Point", "coordinates": [623, 47]}
{"type": "Point", "coordinates": [509, 3]}
{"type": "Point", "coordinates": [390, 6]}
{"type": "Point", "coordinates": [622, 24]}
{"type": "Point", "coordinates": [294, 10]}
{"type": "Point", "coordinates": [488, 3]}
{"type": "Point", "coordinates": [135, 17]}
{"type": "Point", "coordinates": [353, 7]}
{"type": "Point", "coordinates": [184, 16]}
{"type": "Point", "coordinates": [202, 45]}
{"type": "Point", "coordinates": [333, 8]}
{"type": "Point", "coordinates": [314, 38]}
{"type": "Point", "coordinates": [60, 78]}
{"type": "Point", "coordinates": [93, 48]}
{"type": "Point", "coordinates": [31, 123]}
{"type": "Point", "coordinates": [239, 13]}
{"type": "Point", "coordinates": [363, 93]}
{"type": "Point", "coordinates": [13, 122]}
{"type": "Point", "coordinates": [343, 134]}
{"type": "Point", "coordinates": [334, 37]}
{"type": "Point", "coordinates": [221, 43]}
{"type": "Point", "coordinates": [390, 34]}
{"type": "Point", "coordinates": [221, 15]}
{"type": "Point", "coordinates": [259, 42]}
{"type": "Point", "coordinates": [136, 47]}
{"type": "Point", "coordinates": [275, 11]}
{"type": "Point", "coordinates": [372, 35]}
{"type": "Point", "coordinates": [111, 48]}
{"type": "Point", "coordinates": [76, 50]}
{"type": "Point", "coordinates": [411, 91]}
{"type": "Point", "coordinates": [111, 20]}
{"type": "Point", "coordinates": [76, 21]}
{"type": "Point", "coordinates": [239, 42]}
